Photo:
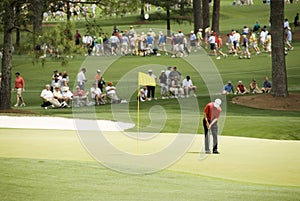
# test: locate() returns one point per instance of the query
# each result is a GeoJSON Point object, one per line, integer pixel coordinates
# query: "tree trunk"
{"type": "Point", "coordinates": [18, 34]}
{"type": "Point", "coordinates": [168, 20]}
{"type": "Point", "coordinates": [205, 12]}
{"type": "Point", "coordinates": [37, 17]}
{"type": "Point", "coordinates": [216, 16]}
{"type": "Point", "coordinates": [279, 76]}
{"type": "Point", "coordinates": [8, 23]}
{"type": "Point", "coordinates": [68, 12]}
{"type": "Point", "coordinates": [182, 2]}
{"type": "Point", "coordinates": [198, 21]}
{"type": "Point", "coordinates": [142, 9]}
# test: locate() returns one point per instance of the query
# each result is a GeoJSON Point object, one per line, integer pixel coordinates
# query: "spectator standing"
{"type": "Point", "coordinates": [199, 38]}
{"type": "Point", "coordinates": [151, 89]}
{"type": "Point", "coordinates": [296, 21]}
{"type": "Point", "coordinates": [77, 38]}
{"type": "Point", "coordinates": [162, 42]}
{"type": "Point", "coordinates": [163, 83]}
{"type": "Point", "coordinates": [19, 87]}
{"type": "Point", "coordinates": [81, 79]}
{"type": "Point", "coordinates": [193, 40]}
{"type": "Point", "coordinates": [211, 113]}
{"type": "Point", "coordinates": [288, 39]}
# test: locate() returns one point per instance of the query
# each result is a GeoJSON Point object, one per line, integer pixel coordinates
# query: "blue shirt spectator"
{"type": "Point", "coordinates": [228, 88]}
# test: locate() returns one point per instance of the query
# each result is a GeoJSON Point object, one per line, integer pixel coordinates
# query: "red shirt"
{"type": "Point", "coordinates": [79, 93]}
{"type": "Point", "coordinates": [19, 83]}
{"type": "Point", "coordinates": [241, 87]}
{"type": "Point", "coordinates": [212, 112]}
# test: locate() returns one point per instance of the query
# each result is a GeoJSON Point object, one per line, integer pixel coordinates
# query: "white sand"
{"type": "Point", "coordinates": [59, 123]}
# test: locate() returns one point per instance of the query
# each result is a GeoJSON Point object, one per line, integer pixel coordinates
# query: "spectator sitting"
{"type": "Point", "coordinates": [80, 97]}
{"type": "Point", "coordinates": [66, 94]}
{"type": "Point", "coordinates": [58, 95]}
{"type": "Point", "coordinates": [188, 86]}
{"type": "Point", "coordinates": [48, 98]}
{"type": "Point", "coordinates": [112, 93]}
{"type": "Point", "coordinates": [97, 95]}
{"type": "Point", "coordinates": [253, 86]}
{"type": "Point", "coordinates": [175, 88]}
{"type": "Point", "coordinates": [267, 85]}
{"type": "Point", "coordinates": [241, 88]}
{"type": "Point", "coordinates": [143, 94]}
{"type": "Point", "coordinates": [228, 88]}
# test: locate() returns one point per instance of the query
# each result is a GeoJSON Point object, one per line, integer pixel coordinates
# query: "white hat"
{"type": "Point", "coordinates": [162, 71]}
{"type": "Point", "coordinates": [217, 103]}
{"type": "Point", "coordinates": [200, 29]}
{"type": "Point", "coordinates": [98, 71]}
{"type": "Point", "coordinates": [240, 81]}
{"type": "Point", "coordinates": [192, 31]}
{"type": "Point", "coordinates": [150, 71]}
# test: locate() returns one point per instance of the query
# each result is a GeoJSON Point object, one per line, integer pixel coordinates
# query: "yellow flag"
{"type": "Point", "coordinates": [145, 79]}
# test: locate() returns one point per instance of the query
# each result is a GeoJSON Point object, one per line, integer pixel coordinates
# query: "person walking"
{"type": "Point", "coordinates": [19, 87]}
{"type": "Point", "coordinates": [212, 113]}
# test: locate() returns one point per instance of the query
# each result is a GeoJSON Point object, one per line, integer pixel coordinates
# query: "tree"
{"type": "Point", "coordinates": [279, 76]}
{"type": "Point", "coordinates": [216, 16]}
{"type": "Point", "coordinates": [167, 5]}
{"type": "Point", "coordinates": [198, 20]}
{"type": "Point", "coordinates": [8, 23]}
{"type": "Point", "coordinates": [205, 11]}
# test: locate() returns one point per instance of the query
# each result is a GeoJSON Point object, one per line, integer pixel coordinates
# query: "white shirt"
{"type": "Point", "coordinates": [81, 77]}
{"type": "Point", "coordinates": [114, 39]}
{"type": "Point", "coordinates": [186, 83]}
{"type": "Point", "coordinates": [67, 93]}
{"type": "Point", "coordinates": [110, 90]}
{"type": "Point", "coordinates": [95, 91]}
{"type": "Point", "coordinates": [286, 24]}
{"type": "Point", "coordinates": [47, 94]}
{"type": "Point", "coordinates": [212, 39]}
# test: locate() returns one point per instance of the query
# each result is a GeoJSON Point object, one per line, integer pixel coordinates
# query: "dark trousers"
{"type": "Point", "coordinates": [151, 91]}
{"type": "Point", "coordinates": [214, 132]}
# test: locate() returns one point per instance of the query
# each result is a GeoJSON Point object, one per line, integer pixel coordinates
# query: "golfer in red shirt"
{"type": "Point", "coordinates": [19, 87]}
{"type": "Point", "coordinates": [212, 112]}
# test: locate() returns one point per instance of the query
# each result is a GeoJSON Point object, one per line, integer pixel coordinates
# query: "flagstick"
{"type": "Point", "coordinates": [138, 117]}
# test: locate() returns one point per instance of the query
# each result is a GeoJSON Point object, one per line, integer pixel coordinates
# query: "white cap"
{"type": "Point", "coordinates": [150, 71]}
{"type": "Point", "coordinates": [217, 103]}
{"type": "Point", "coordinates": [98, 71]}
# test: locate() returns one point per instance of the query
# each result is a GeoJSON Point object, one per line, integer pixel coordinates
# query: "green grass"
{"type": "Point", "coordinates": [30, 179]}
{"type": "Point", "coordinates": [62, 178]}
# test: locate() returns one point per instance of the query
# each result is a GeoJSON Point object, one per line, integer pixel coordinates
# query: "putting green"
{"type": "Point", "coordinates": [242, 159]}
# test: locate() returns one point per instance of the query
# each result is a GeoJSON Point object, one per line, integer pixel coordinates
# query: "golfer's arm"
{"type": "Point", "coordinates": [214, 121]}
{"type": "Point", "coordinates": [205, 117]}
